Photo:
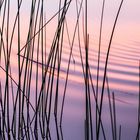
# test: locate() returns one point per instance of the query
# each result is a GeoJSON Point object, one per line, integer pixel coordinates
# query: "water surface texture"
{"type": "Point", "coordinates": [54, 83]}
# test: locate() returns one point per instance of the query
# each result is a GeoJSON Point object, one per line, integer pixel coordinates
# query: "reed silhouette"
{"type": "Point", "coordinates": [32, 105]}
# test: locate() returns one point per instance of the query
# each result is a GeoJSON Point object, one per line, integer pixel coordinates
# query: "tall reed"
{"type": "Point", "coordinates": [33, 103]}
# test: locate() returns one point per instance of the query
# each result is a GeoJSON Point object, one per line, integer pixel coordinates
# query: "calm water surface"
{"type": "Point", "coordinates": [122, 71]}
